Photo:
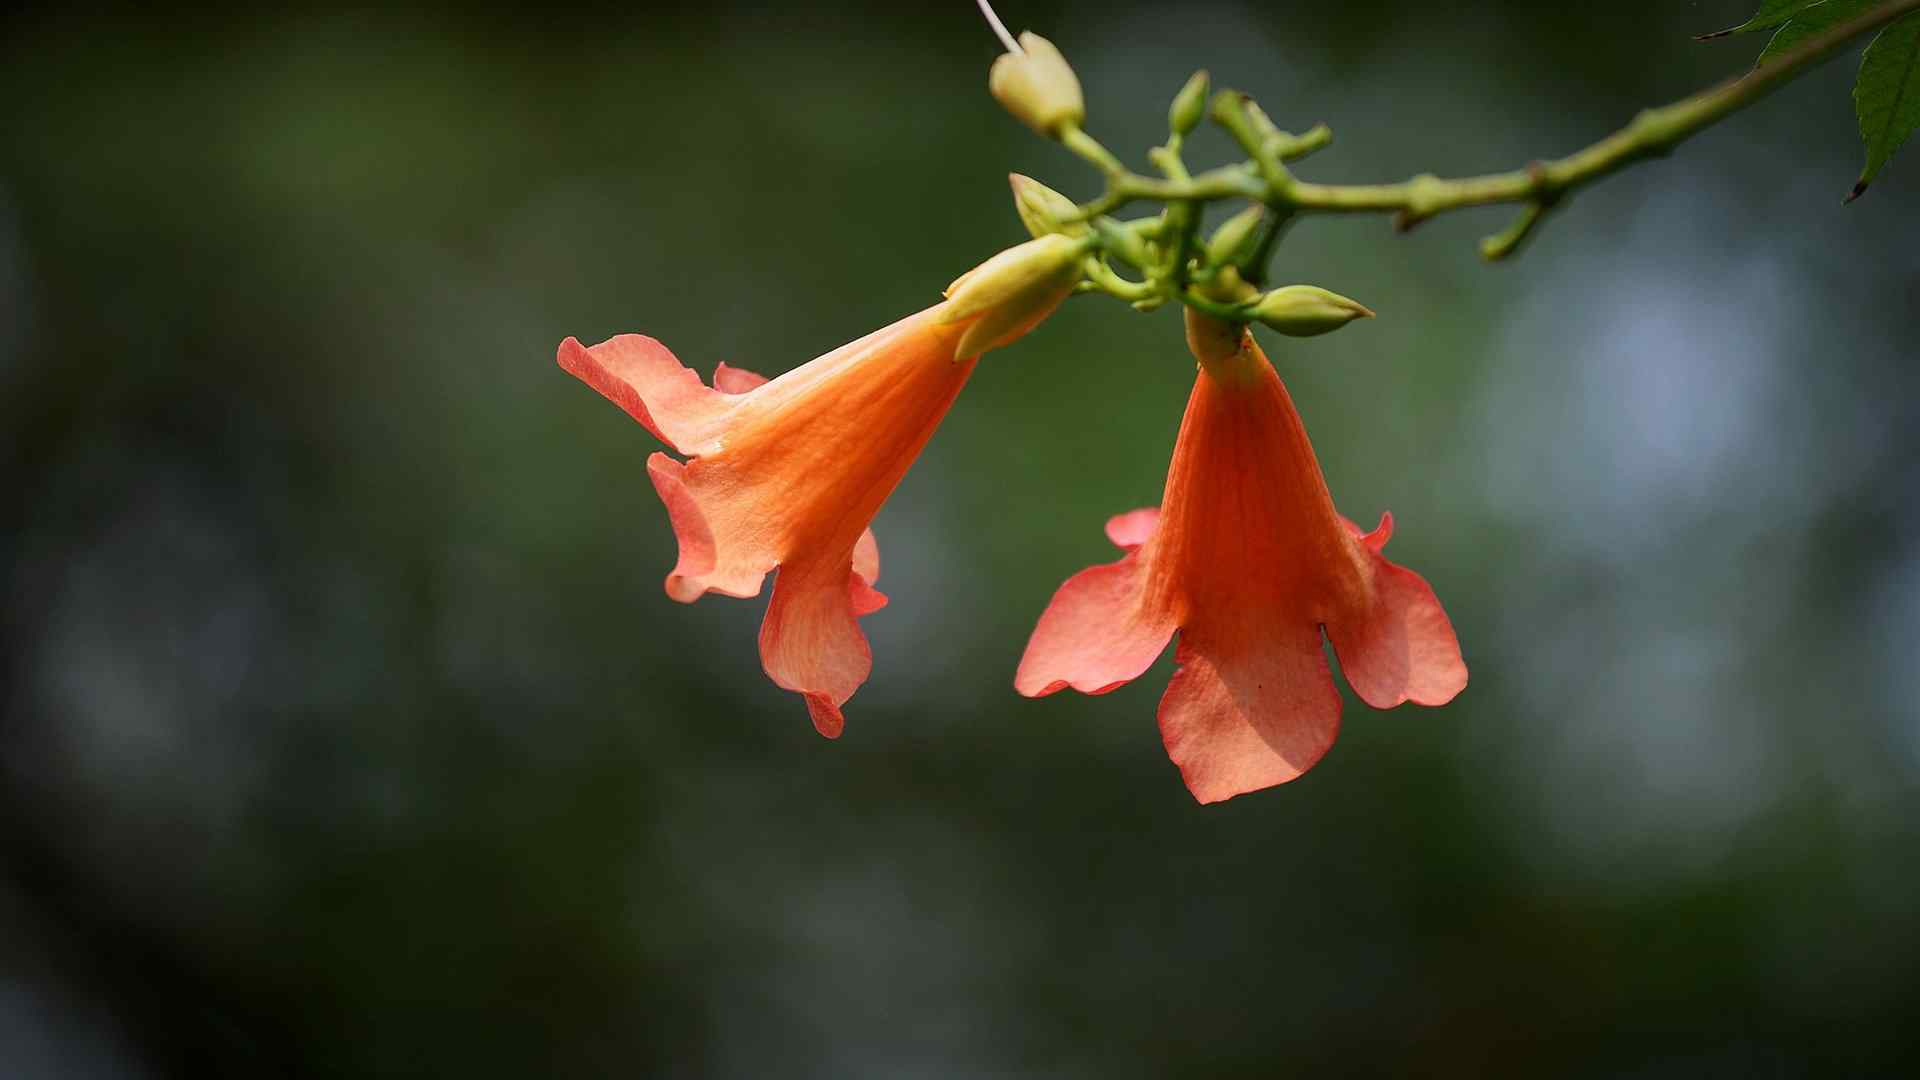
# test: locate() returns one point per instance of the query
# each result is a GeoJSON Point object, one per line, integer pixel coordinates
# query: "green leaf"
{"type": "Point", "coordinates": [1811, 20]}
{"type": "Point", "coordinates": [1886, 96]}
{"type": "Point", "coordinates": [1771, 13]}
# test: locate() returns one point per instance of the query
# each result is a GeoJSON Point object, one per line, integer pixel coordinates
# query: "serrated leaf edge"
{"type": "Point", "coordinates": [1872, 169]}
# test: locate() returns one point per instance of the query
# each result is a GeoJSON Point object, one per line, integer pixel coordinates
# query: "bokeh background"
{"type": "Point", "coordinates": [348, 731]}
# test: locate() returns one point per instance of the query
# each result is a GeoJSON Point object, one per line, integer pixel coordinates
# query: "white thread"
{"type": "Point", "coordinates": [999, 28]}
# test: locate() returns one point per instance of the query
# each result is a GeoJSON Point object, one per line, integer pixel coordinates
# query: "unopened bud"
{"type": "Point", "coordinates": [1037, 86]}
{"type": "Point", "coordinates": [1233, 242]}
{"type": "Point", "coordinates": [1306, 310]}
{"type": "Point", "coordinates": [1189, 105]}
{"type": "Point", "coordinates": [1043, 210]}
{"type": "Point", "coordinates": [1009, 294]}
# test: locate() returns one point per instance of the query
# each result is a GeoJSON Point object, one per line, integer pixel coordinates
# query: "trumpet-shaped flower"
{"type": "Point", "coordinates": [787, 474]}
{"type": "Point", "coordinates": [1248, 560]}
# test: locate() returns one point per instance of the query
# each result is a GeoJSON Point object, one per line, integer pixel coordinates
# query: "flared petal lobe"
{"type": "Point", "coordinates": [810, 641]}
{"type": "Point", "coordinates": [1096, 635]}
{"type": "Point", "coordinates": [1400, 647]}
{"type": "Point", "coordinates": [1133, 528]}
{"type": "Point", "coordinates": [641, 376]}
{"type": "Point", "coordinates": [1240, 716]}
{"type": "Point", "coordinates": [1248, 560]}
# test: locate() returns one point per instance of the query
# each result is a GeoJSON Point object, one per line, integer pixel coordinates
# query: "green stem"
{"type": "Point", "coordinates": [1541, 185]}
{"type": "Point", "coordinates": [1089, 148]}
{"type": "Point", "coordinates": [1295, 147]}
{"type": "Point", "coordinates": [1653, 133]}
{"type": "Point", "coordinates": [1227, 182]}
{"type": "Point", "coordinates": [1271, 230]}
{"type": "Point", "coordinates": [1102, 278]}
{"type": "Point", "coordinates": [1249, 126]}
{"type": "Point", "coordinates": [1206, 305]}
{"type": "Point", "coordinates": [1181, 220]}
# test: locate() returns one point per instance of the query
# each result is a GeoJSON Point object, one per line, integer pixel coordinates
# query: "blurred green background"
{"type": "Point", "coordinates": [348, 732]}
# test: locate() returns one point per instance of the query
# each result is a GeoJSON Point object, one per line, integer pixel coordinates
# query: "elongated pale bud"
{"type": "Point", "coordinates": [1009, 294]}
{"type": "Point", "coordinates": [1306, 310]}
{"type": "Point", "coordinates": [1037, 86]}
{"type": "Point", "coordinates": [1042, 209]}
{"type": "Point", "coordinates": [1235, 239]}
{"type": "Point", "coordinates": [1189, 105]}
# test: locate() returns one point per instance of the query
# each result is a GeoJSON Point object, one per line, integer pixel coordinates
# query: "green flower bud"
{"type": "Point", "coordinates": [1042, 209]}
{"type": "Point", "coordinates": [1189, 105]}
{"type": "Point", "coordinates": [1009, 294]}
{"type": "Point", "coordinates": [1233, 242]}
{"type": "Point", "coordinates": [1037, 86]}
{"type": "Point", "coordinates": [1306, 310]}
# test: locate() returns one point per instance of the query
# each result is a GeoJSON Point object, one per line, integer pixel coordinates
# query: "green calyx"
{"type": "Point", "coordinates": [1150, 261]}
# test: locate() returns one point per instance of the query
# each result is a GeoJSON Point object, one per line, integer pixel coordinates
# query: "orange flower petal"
{"type": "Point", "coordinates": [699, 570]}
{"type": "Point", "coordinates": [641, 376]}
{"type": "Point", "coordinates": [733, 380]}
{"type": "Point", "coordinates": [1133, 528]}
{"type": "Point", "coordinates": [866, 557]}
{"type": "Point", "coordinates": [825, 714]}
{"type": "Point", "coordinates": [1247, 558]}
{"type": "Point", "coordinates": [810, 641]}
{"type": "Point", "coordinates": [1237, 719]}
{"type": "Point", "coordinates": [1402, 647]}
{"type": "Point", "coordinates": [1095, 636]}
{"type": "Point", "coordinates": [866, 553]}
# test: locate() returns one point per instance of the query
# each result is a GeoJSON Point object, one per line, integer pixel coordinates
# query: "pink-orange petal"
{"type": "Point", "coordinates": [687, 581]}
{"type": "Point", "coordinates": [1133, 528]}
{"type": "Point", "coordinates": [866, 557]}
{"type": "Point", "coordinates": [1094, 635]}
{"type": "Point", "coordinates": [1402, 647]}
{"type": "Point", "coordinates": [643, 377]}
{"type": "Point", "coordinates": [863, 597]}
{"type": "Point", "coordinates": [827, 718]}
{"type": "Point", "coordinates": [810, 640]}
{"type": "Point", "coordinates": [1377, 539]}
{"type": "Point", "coordinates": [1241, 718]}
{"type": "Point", "coordinates": [733, 380]}
{"type": "Point", "coordinates": [699, 569]}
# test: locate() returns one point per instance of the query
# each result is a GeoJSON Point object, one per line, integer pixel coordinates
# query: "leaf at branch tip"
{"type": "Point", "coordinates": [1886, 96]}
{"type": "Point", "coordinates": [1771, 13]}
{"type": "Point", "coordinates": [1814, 19]}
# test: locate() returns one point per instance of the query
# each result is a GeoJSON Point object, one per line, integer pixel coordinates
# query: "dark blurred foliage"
{"type": "Point", "coordinates": [347, 730]}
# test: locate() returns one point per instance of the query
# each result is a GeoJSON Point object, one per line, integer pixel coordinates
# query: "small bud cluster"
{"type": "Point", "coordinates": [1219, 276]}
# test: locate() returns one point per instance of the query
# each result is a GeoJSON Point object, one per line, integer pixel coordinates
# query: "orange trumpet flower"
{"type": "Point", "coordinates": [788, 473]}
{"type": "Point", "coordinates": [1247, 558]}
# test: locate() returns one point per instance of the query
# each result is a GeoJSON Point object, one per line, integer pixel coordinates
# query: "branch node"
{"type": "Point", "coordinates": [1546, 190]}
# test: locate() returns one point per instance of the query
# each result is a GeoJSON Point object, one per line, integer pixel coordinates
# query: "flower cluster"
{"type": "Point", "coordinates": [1245, 557]}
